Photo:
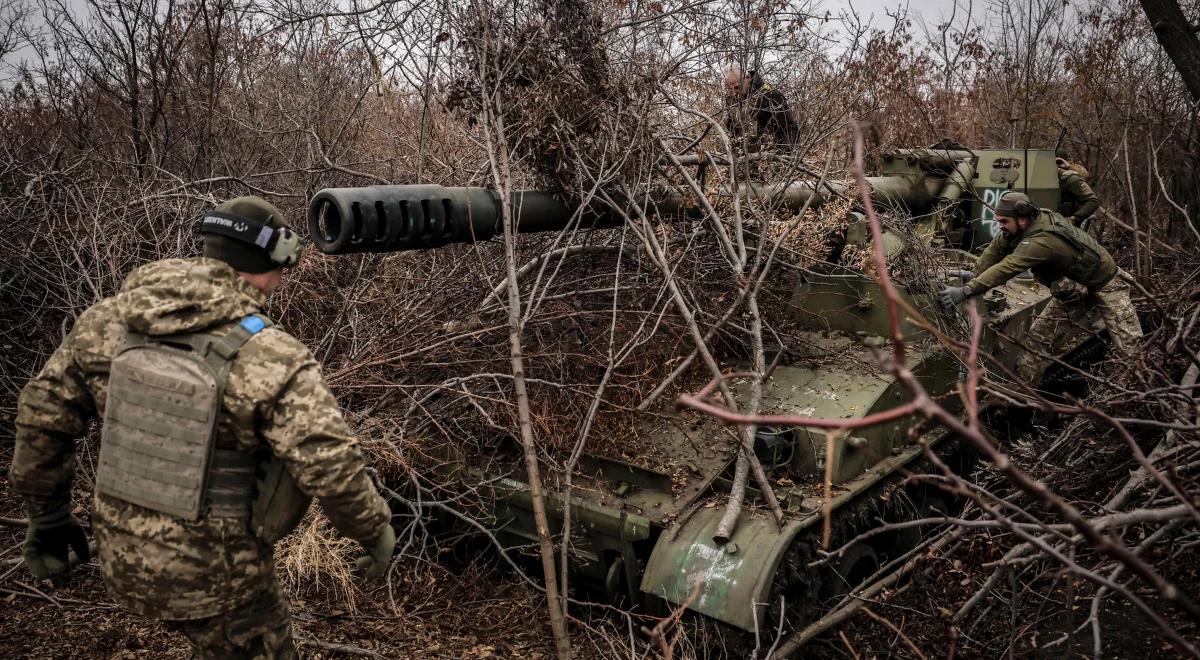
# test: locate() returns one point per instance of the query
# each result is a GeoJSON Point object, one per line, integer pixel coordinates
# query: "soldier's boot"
{"type": "Point", "coordinates": [258, 630]}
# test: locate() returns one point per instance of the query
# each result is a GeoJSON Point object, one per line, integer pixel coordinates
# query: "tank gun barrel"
{"type": "Point", "coordinates": [422, 217]}
{"type": "Point", "coordinates": [426, 216]}
{"type": "Point", "coordinates": [932, 158]}
{"type": "Point", "coordinates": [890, 192]}
{"type": "Point", "coordinates": [912, 180]}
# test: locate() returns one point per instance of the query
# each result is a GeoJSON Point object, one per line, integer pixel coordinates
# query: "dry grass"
{"type": "Point", "coordinates": [316, 563]}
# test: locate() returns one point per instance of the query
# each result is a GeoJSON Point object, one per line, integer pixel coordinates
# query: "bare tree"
{"type": "Point", "coordinates": [1177, 35]}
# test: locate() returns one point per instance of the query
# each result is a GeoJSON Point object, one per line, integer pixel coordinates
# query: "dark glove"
{"type": "Point", "coordinates": [47, 542]}
{"type": "Point", "coordinates": [964, 274]}
{"type": "Point", "coordinates": [379, 554]}
{"type": "Point", "coordinates": [950, 296]}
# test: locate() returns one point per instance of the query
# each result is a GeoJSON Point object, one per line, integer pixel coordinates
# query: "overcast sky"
{"type": "Point", "coordinates": [930, 11]}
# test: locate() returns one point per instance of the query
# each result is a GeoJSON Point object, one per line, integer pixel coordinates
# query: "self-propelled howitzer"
{"type": "Point", "coordinates": [642, 532]}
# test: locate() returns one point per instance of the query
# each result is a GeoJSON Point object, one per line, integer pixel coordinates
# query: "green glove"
{"type": "Point", "coordinates": [379, 554]}
{"type": "Point", "coordinates": [47, 542]}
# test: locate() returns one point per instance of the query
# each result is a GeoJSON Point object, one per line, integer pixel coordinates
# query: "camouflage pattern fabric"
{"type": "Point", "coordinates": [258, 630]}
{"type": "Point", "coordinates": [275, 402]}
{"type": "Point", "coordinates": [1062, 320]}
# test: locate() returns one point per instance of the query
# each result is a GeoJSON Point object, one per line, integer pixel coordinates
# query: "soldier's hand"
{"type": "Point", "coordinates": [964, 274]}
{"type": "Point", "coordinates": [950, 296]}
{"type": "Point", "coordinates": [47, 542]}
{"type": "Point", "coordinates": [379, 554]}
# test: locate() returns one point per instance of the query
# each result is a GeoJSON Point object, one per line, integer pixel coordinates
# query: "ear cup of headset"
{"type": "Point", "coordinates": [287, 248]}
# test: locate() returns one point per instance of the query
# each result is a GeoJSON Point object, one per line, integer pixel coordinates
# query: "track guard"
{"type": "Point", "coordinates": [734, 579]}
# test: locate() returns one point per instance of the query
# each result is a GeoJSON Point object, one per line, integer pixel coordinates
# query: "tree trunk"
{"type": "Point", "coordinates": [1178, 37]}
{"type": "Point", "coordinates": [501, 173]}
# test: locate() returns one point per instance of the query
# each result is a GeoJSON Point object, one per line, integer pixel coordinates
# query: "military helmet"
{"type": "Point", "coordinates": [251, 235]}
{"type": "Point", "coordinates": [1016, 205]}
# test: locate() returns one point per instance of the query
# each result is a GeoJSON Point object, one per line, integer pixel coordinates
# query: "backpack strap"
{"type": "Point", "coordinates": [231, 342]}
{"type": "Point", "coordinates": [229, 490]}
{"type": "Point", "coordinates": [218, 352]}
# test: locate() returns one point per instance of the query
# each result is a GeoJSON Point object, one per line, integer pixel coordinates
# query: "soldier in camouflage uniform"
{"type": "Point", "coordinates": [210, 576]}
{"type": "Point", "coordinates": [1077, 201]}
{"type": "Point", "coordinates": [1083, 278]}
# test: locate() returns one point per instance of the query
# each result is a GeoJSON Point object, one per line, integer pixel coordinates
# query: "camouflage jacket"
{"type": "Point", "coordinates": [275, 401]}
{"type": "Point", "coordinates": [1077, 202]}
{"type": "Point", "coordinates": [1042, 250]}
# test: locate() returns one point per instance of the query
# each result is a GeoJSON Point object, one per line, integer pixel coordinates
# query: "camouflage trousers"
{"type": "Point", "coordinates": [258, 630]}
{"type": "Point", "coordinates": [1063, 321]}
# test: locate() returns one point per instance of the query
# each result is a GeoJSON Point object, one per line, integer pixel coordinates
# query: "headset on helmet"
{"type": "Point", "coordinates": [281, 244]}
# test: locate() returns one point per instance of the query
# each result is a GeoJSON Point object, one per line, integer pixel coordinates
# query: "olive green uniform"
{"type": "Point", "coordinates": [1059, 254]}
{"type": "Point", "coordinates": [1076, 202]}
{"type": "Point", "coordinates": [212, 578]}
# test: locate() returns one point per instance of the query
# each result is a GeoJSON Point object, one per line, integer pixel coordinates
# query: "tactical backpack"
{"type": "Point", "coordinates": [1092, 266]}
{"type": "Point", "coordinates": [157, 447]}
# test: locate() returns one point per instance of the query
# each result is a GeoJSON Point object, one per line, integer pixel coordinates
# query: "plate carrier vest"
{"type": "Point", "coordinates": [1089, 267]}
{"type": "Point", "coordinates": [157, 447]}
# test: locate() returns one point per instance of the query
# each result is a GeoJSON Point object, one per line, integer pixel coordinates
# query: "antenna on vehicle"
{"type": "Point", "coordinates": [1062, 135]}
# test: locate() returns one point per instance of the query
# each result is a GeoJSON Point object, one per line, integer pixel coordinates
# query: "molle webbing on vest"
{"type": "Point", "coordinates": [1092, 266]}
{"type": "Point", "coordinates": [157, 444]}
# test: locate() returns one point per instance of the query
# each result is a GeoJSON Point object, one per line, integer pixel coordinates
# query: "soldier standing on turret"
{"type": "Point", "coordinates": [757, 103]}
{"type": "Point", "coordinates": [1064, 258]}
{"type": "Point", "coordinates": [1077, 201]}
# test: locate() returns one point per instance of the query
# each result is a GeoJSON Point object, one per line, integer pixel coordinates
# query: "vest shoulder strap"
{"type": "Point", "coordinates": [222, 350]}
